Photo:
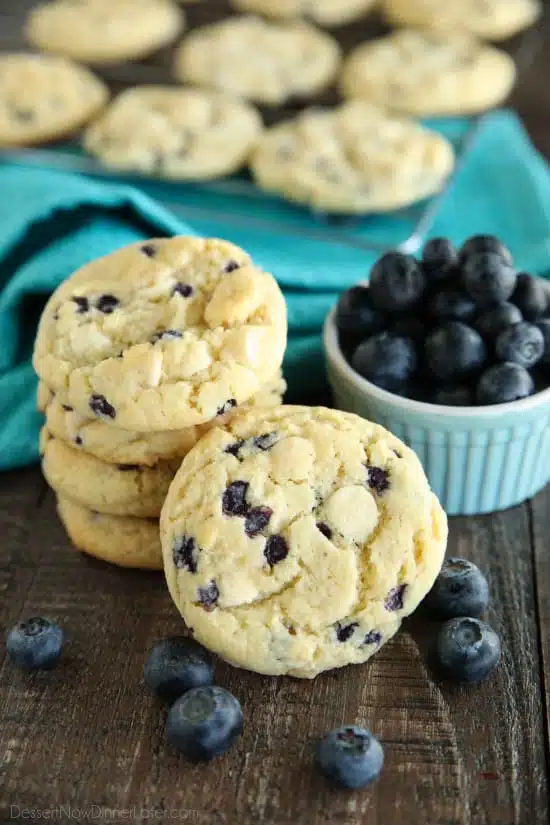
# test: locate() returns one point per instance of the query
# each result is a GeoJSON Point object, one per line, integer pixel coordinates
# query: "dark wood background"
{"type": "Point", "coordinates": [86, 743]}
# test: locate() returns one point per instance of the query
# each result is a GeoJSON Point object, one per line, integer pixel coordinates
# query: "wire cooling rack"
{"type": "Point", "coordinates": [236, 201]}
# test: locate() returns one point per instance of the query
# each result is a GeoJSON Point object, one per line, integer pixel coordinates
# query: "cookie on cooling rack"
{"type": "Point", "coordinates": [352, 159]}
{"type": "Point", "coordinates": [324, 12]}
{"type": "Point", "coordinates": [429, 73]}
{"type": "Point", "coordinates": [266, 62]}
{"type": "Point", "coordinates": [104, 31]}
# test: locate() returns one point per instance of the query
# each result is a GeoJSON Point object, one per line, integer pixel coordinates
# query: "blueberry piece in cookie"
{"type": "Point", "coordinates": [257, 519]}
{"type": "Point", "coordinates": [184, 553]}
{"type": "Point", "coordinates": [100, 406]}
{"type": "Point", "coordinates": [234, 499]}
{"type": "Point", "coordinates": [209, 595]}
{"type": "Point", "coordinates": [394, 599]}
{"type": "Point", "coordinates": [276, 550]}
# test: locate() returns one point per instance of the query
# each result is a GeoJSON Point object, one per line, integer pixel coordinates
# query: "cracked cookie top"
{"type": "Point", "coordinates": [162, 334]}
{"type": "Point", "coordinates": [297, 538]}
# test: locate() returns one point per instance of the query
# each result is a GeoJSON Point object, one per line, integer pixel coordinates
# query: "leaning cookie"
{"type": "Point", "coordinates": [181, 134]}
{"type": "Point", "coordinates": [324, 12]}
{"type": "Point", "coordinates": [266, 62]}
{"type": "Point", "coordinates": [429, 73]}
{"type": "Point", "coordinates": [114, 489]}
{"type": "Point", "coordinates": [352, 159]}
{"type": "Point", "coordinates": [118, 446]}
{"type": "Point", "coordinates": [162, 334]}
{"type": "Point", "coordinates": [298, 539]}
{"type": "Point", "coordinates": [45, 98]}
{"type": "Point", "coordinates": [104, 31]}
{"type": "Point", "coordinates": [490, 19]}
{"type": "Point", "coordinates": [121, 540]}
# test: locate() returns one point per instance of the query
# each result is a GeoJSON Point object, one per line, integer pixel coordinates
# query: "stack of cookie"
{"type": "Point", "coordinates": [138, 354]}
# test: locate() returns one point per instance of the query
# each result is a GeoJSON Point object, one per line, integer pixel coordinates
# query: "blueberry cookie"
{"type": "Point", "coordinates": [45, 98]}
{"type": "Point", "coordinates": [117, 446]}
{"type": "Point", "coordinates": [104, 31]}
{"type": "Point", "coordinates": [266, 62]}
{"type": "Point", "coordinates": [296, 540]}
{"type": "Point", "coordinates": [490, 19]}
{"type": "Point", "coordinates": [121, 540]}
{"type": "Point", "coordinates": [324, 12]}
{"type": "Point", "coordinates": [182, 134]}
{"type": "Point", "coordinates": [162, 334]}
{"type": "Point", "coordinates": [114, 489]}
{"type": "Point", "coordinates": [355, 158]}
{"type": "Point", "coordinates": [429, 73]}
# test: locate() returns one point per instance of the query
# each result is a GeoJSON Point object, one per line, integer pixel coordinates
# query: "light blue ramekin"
{"type": "Point", "coordinates": [477, 459]}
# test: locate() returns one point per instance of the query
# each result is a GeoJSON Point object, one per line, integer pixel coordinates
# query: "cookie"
{"type": "Point", "coordinates": [490, 19]}
{"type": "Point", "coordinates": [162, 334]}
{"type": "Point", "coordinates": [266, 62]}
{"type": "Point", "coordinates": [121, 540]}
{"type": "Point", "coordinates": [45, 98]}
{"type": "Point", "coordinates": [298, 539]}
{"type": "Point", "coordinates": [355, 159]}
{"type": "Point", "coordinates": [429, 73]}
{"type": "Point", "coordinates": [324, 12]}
{"type": "Point", "coordinates": [114, 489]}
{"type": "Point", "coordinates": [117, 446]}
{"type": "Point", "coordinates": [104, 31]}
{"type": "Point", "coordinates": [181, 134]}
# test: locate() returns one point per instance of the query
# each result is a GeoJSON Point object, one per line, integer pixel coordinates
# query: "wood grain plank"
{"type": "Point", "coordinates": [540, 508]}
{"type": "Point", "coordinates": [453, 755]}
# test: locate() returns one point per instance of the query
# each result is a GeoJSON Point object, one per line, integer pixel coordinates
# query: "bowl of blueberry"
{"type": "Point", "coordinates": [450, 350]}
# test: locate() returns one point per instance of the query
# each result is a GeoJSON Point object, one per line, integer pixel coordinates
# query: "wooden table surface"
{"type": "Point", "coordinates": [85, 742]}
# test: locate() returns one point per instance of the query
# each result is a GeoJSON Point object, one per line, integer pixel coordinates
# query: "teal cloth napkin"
{"type": "Point", "coordinates": [51, 223]}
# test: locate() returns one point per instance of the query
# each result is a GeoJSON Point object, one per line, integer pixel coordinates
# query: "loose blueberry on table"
{"type": "Point", "coordinates": [176, 665]}
{"type": "Point", "coordinates": [468, 650]}
{"type": "Point", "coordinates": [350, 757]}
{"type": "Point", "coordinates": [35, 644]}
{"type": "Point", "coordinates": [460, 589]}
{"type": "Point", "coordinates": [204, 722]}
{"type": "Point", "coordinates": [458, 327]}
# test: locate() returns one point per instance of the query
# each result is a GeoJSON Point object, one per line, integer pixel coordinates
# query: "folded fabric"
{"type": "Point", "coordinates": [52, 223]}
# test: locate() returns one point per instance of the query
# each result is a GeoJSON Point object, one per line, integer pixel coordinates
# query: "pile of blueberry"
{"type": "Point", "coordinates": [457, 327]}
{"type": "Point", "coordinates": [204, 720]}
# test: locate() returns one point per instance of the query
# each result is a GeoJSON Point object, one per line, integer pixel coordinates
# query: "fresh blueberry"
{"type": "Point", "coordinates": [521, 344]}
{"type": "Point", "coordinates": [488, 279]}
{"type": "Point", "coordinates": [454, 396]}
{"type": "Point", "coordinates": [176, 665]}
{"type": "Point", "coordinates": [451, 305]}
{"type": "Point", "coordinates": [530, 296]}
{"type": "Point", "coordinates": [454, 351]}
{"type": "Point", "coordinates": [356, 315]}
{"type": "Point", "coordinates": [351, 757]}
{"type": "Point", "coordinates": [204, 722]}
{"type": "Point", "coordinates": [396, 282]}
{"type": "Point", "coordinates": [492, 323]}
{"type": "Point", "coordinates": [483, 245]}
{"type": "Point", "coordinates": [461, 589]}
{"type": "Point", "coordinates": [504, 382]}
{"type": "Point", "coordinates": [410, 327]}
{"type": "Point", "coordinates": [544, 326]}
{"type": "Point", "coordinates": [467, 649]}
{"type": "Point", "coordinates": [387, 360]}
{"type": "Point", "coordinates": [438, 259]}
{"type": "Point", "coordinates": [35, 644]}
